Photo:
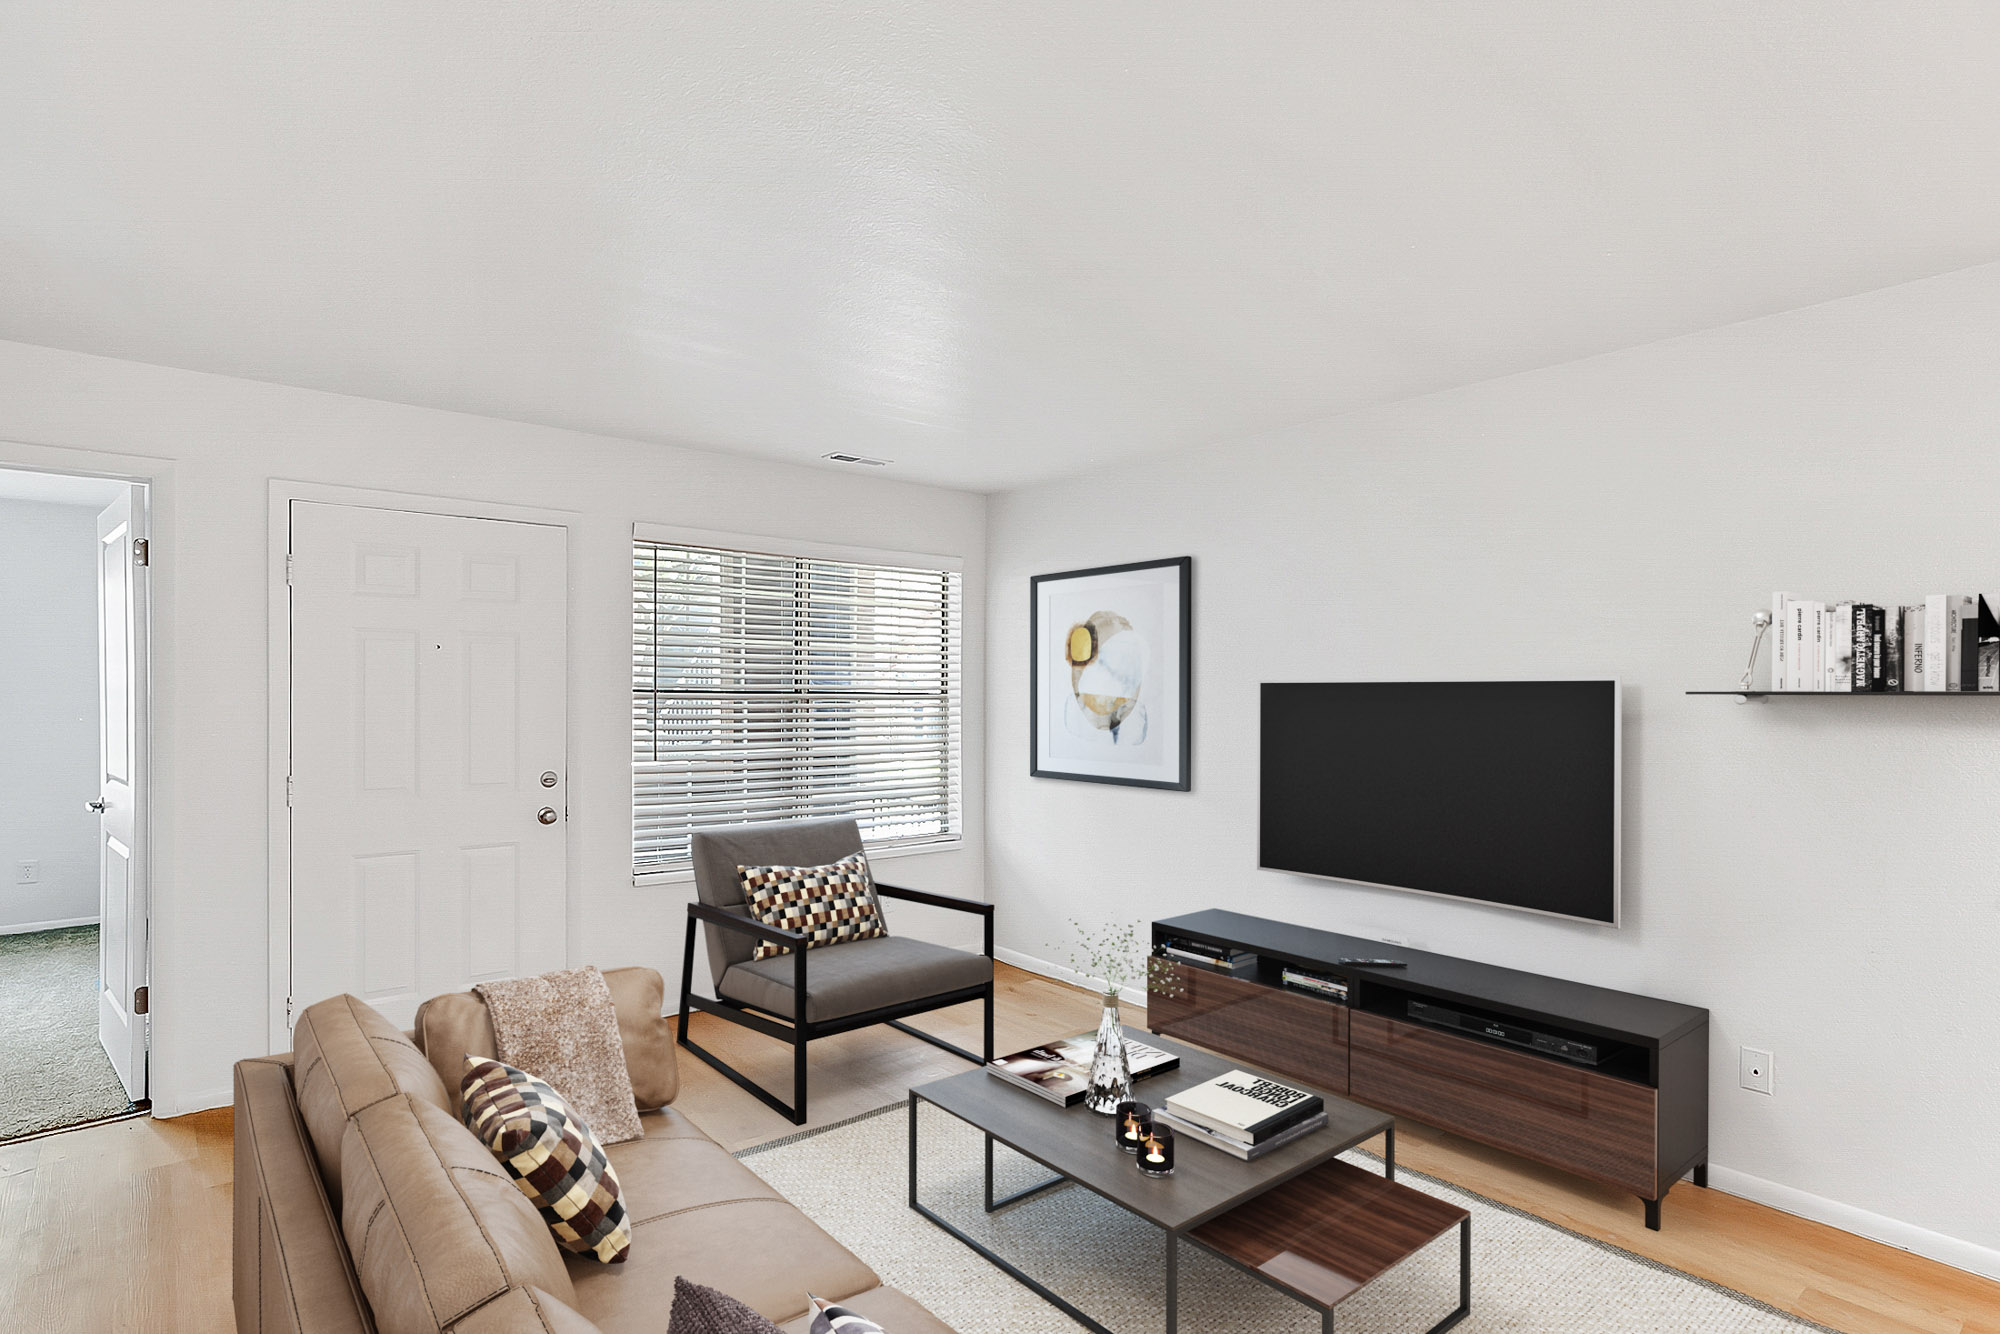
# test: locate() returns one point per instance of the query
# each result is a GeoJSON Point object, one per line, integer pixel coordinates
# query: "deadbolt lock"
{"type": "Point", "coordinates": [549, 778]}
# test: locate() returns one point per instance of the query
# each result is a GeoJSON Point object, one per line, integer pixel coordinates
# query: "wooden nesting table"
{"type": "Point", "coordinates": [1298, 1219]}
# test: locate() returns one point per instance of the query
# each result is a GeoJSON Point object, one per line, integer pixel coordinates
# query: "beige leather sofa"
{"type": "Point", "coordinates": [362, 1204]}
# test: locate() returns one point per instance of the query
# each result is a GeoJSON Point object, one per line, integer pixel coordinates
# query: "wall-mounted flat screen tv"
{"type": "Point", "coordinates": [1502, 792]}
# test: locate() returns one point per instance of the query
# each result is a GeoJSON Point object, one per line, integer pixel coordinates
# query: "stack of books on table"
{"type": "Point", "coordinates": [1949, 642]}
{"type": "Point", "coordinates": [1060, 1071]}
{"type": "Point", "coordinates": [1244, 1115]}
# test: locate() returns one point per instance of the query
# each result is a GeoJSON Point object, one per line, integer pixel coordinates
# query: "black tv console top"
{"type": "Point", "coordinates": [1618, 1015]}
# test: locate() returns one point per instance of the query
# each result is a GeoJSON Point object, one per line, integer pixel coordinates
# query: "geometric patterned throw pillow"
{"type": "Point", "coordinates": [831, 904]}
{"type": "Point", "coordinates": [831, 1319]}
{"type": "Point", "coordinates": [552, 1156]}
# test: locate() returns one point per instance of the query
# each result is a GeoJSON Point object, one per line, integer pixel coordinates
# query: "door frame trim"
{"type": "Point", "coordinates": [152, 596]}
{"type": "Point", "coordinates": [283, 492]}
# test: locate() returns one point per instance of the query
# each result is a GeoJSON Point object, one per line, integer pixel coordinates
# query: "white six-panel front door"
{"type": "Point", "coordinates": [428, 779]}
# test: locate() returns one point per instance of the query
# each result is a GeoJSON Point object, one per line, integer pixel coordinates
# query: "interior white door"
{"type": "Point", "coordinates": [428, 741]}
{"type": "Point", "coordinates": [122, 1023]}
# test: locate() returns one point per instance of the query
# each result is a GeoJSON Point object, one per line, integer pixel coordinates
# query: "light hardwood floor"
{"type": "Point", "coordinates": [126, 1226]}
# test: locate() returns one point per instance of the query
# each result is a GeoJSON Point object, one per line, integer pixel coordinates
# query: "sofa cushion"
{"type": "Point", "coordinates": [831, 904]}
{"type": "Point", "coordinates": [697, 1212]}
{"type": "Point", "coordinates": [553, 1156]}
{"type": "Point", "coordinates": [455, 1026]}
{"type": "Point", "coordinates": [525, 1311]}
{"type": "Point", "coordinates": [434, 1227]}
{"type": "Point", "coordinates": [894, 1311]}
{"type": "Point", "coordinates": [858, 976]}
{"type": "Point", "coordinates": [347, 1057]}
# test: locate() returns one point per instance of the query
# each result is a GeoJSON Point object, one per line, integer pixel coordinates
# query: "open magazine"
{"type": "Point", "coordinates": [1060, 1071]}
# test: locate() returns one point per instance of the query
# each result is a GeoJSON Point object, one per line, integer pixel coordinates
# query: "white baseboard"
{"type": "Point", "coordinates": [1027, 963]}
{"type": "Point", "coordinates": [1958, 1254]}
{"type": "Point", "coordinates": [1980, 1260]}
{"type": "Point", "coordinates": [1043, 968]}
{"type": "Point", "coordinates": [57, 925]}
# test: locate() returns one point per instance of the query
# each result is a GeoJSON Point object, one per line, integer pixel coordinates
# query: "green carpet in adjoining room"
{"type": "Point", "coordinates": [53, 1072]}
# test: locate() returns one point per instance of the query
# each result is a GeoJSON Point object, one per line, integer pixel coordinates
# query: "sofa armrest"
{"type": "Point", "coordinates": [290, 1263]}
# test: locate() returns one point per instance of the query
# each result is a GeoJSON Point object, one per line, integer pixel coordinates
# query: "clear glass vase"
{"type": "Point", "coordinates": [1110, 1071]}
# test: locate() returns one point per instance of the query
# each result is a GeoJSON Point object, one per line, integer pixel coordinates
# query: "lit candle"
{"type": "Point", "coordinates": [1156, 1154]}
{"type": "Point", "coordinates": [1132, 1121]}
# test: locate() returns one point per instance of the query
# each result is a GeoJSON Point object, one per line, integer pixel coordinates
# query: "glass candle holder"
{"type": "Point", "coordinates": [1130, 1124]}
{"type": "Point", "coordinates": [1156, 1153]}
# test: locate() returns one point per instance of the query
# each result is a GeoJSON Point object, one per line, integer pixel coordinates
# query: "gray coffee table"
{"type": "Point", "coordinates": [1076, 1145]}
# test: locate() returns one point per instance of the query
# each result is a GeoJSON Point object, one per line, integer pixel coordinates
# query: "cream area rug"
{"type": "Point", "coordinates": [1528, 1276]}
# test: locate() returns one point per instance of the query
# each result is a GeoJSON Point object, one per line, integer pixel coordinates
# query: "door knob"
{"type": "Point", "coordinates": [547, 815]}
{"type": "Point", "coordinates": [97, 805]}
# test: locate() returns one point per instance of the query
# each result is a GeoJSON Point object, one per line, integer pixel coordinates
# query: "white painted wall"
{"type": "Point", "coordinates": [48, 712]}
{"type": "Point", "coordinates": [218, 443]}
{"type": "Point", "coordinates": [1823, 875]}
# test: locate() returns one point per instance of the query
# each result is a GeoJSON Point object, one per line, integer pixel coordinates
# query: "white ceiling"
{"type": "Point", "coordinates": [992, 242]}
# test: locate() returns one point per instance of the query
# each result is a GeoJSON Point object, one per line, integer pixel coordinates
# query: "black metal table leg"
{"type": "Point", "coordinates": [1464, 1279]}
{"type": "Point", "coordinates": [1019, 1195]}
{"type": "Point", "coordinates": [1389, 1153]}
{"type": "Point", "coordinates": [986, 1253]}
{"type": "Point", "coordinates": [1173, 1281]}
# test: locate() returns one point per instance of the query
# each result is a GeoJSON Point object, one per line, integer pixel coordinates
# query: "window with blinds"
{"type": "Point", "coordinates": [774, 687]}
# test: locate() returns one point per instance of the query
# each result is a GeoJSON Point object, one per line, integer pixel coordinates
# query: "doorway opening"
{"type": "Point", "coordinates": [73, 928]}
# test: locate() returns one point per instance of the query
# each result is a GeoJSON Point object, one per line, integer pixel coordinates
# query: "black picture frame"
{"type": "Point", "coordinates": [1180, 658]}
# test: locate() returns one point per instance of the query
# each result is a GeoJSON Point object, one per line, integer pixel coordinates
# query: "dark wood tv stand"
{"type": "Point", "coordinates": [1636, 1119]}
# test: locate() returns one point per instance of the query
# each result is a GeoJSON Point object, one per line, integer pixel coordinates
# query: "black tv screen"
{"type": "Point", "coordinates": [1501, 792]}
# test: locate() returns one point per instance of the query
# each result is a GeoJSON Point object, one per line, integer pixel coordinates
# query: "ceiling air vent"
{"type": "Point", "coordinates": [861, 459]}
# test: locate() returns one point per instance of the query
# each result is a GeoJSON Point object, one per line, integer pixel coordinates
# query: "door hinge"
{"type": "Point", "coordinates": [288, 1013]}
{"type": "Point", "coordinates": [288, 789]}
{"type": "Point", "coordinates": [142, 1000]}
{"type": "Point", "coordinates": [142, 551]}
{"type": "Point", "coordinates": [288, 569]}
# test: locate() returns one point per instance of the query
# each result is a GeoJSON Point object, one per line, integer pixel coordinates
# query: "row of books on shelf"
{"type": "Point", "coordinates": [1244, 1115]}
{"type": "Point", "coordinates": [1949, 642]}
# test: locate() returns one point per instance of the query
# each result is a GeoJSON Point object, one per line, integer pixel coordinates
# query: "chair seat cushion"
{"type": "Point", "coordinates": [856, 977]}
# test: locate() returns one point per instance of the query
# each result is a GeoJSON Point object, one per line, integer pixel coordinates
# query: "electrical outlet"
{"type": "Point", "coordinates": [28, 873]}
{"type": "Point", "coordinates": [1756, 1071]}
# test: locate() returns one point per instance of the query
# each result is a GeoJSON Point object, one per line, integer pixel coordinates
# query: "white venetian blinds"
{"type": "Point", "coordinates": [774, 687]}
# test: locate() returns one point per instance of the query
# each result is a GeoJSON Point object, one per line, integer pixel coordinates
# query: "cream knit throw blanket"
{"type": "Point", "coordinates": [562, 1028]}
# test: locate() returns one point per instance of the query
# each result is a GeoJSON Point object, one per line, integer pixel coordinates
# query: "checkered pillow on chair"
{"type": "Point", "coordinates": [552, 1156]}
{"type": "Point", "coordinates": [831, 904]}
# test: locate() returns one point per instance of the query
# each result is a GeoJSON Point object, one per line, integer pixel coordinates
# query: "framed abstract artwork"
{"type": "Point", "coordinates": [1108, 686]}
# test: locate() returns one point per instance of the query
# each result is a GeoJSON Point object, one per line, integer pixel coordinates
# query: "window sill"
{"type": "Point", "coordinates": [685, 876]}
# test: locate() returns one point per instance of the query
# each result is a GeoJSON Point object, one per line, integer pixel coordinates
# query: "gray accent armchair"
{"type": "Point", "coordinates": [809, 994]}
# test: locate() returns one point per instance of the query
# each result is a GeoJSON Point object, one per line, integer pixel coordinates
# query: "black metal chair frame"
{"type": "Point", "coordinates": [794, 1028]}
